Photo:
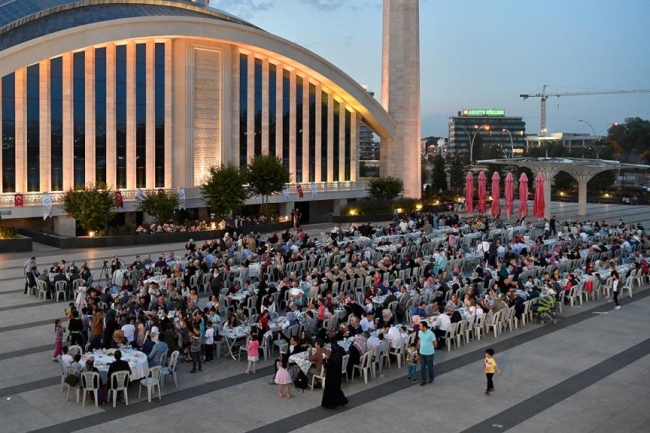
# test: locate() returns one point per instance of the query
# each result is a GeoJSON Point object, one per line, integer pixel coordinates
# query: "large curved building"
{"type": "Point", "coordinates": [144, 94]}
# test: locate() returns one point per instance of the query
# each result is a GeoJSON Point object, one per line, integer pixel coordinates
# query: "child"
{"type": "Point", "coordinates": [490, 365]}
{"type": "Point", "coordinates": [209, 342]}
{"type": "Point", "coordinates": [58, 340]}
{"type": "Point", "coordinates": [412, 358]}
{"type": "Point", "coordinates": [253, 349]}
{"type": "Point", "coordinates": [282, 377]}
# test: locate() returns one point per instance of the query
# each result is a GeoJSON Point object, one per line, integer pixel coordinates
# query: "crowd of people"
{"type": "Point", "coordinates": [416, 275]}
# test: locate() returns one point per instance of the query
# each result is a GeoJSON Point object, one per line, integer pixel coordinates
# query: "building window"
{"type": "Point", "coordinates": [141, 116]}
{"type": "Point", "coordinates": [272, 107]}
{"type": "Point", "coordinates": [56, 123]}
{"type": "Point", "coordinates": [100, 115]}
{"type": "Point", "coordinates": [312, 132]}
{"type": "Point", "coordinates": [9, 133]}
{"type": "Point", "coordinates": [243, 109]}
{"type": "Point", "coordinates": [299, 129]}
{"type": "Point", "coordinates": [33, 128]}
{"type": "Point", "coordinates": [120, 116]}
{"type": "Point", "coordinates": [286, 117]}
{"type": "Point", "coordinates": [348, 143]}
{"type": "Point", "coordinates": [335, 139]}
{"type": "Point", "coordinates": [79, 117]}
{"type": "Point", "coordinates": [160, 115]}
{"type": "Point", "coordinates": [324, 154]}
{"type": "Point", "coordinates": [258, 106]}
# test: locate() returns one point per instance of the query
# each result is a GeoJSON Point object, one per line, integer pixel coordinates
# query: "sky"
{"type": "Point", "coordinates": [484, 54]}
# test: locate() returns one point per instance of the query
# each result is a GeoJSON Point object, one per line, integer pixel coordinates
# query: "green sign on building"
{"type": "Point", "coordinates": [491, 112]}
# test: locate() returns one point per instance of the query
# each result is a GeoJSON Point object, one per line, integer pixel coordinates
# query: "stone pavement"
{"type": "Point", "coordinates": [588, 373]}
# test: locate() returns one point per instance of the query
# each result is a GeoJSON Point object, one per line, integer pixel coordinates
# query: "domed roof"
{"type": "Point", "coordinates": [17, 13]}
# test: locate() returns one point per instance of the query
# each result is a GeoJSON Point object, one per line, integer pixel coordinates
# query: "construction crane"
{"type": "Point", "coordinates": [544, 96]}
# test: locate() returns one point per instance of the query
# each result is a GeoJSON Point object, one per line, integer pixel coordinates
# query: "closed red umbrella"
{"type": "Point", "coordinates": [510, 194]}
{"type": "Point", "coordinates": [539, 206]}
{"type": "Point", "coordinates": [469, 192]}
{"type": "Point", "coordinates": [496, 205]}
{"type": "Point", "coordinates": [482, 183]}
{"type": "Point", "coordinates": [523, 195]}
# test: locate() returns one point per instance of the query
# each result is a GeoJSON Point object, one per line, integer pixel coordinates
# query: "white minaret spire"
{"type": "Point", "coordinates": [400, 93]}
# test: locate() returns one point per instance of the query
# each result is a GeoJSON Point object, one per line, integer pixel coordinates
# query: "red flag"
{"type": "Point", "coordinates": [119, 200]}
{"type": "Point", "coordinates": [18, 200]}
{"type": "Point", "coordinates": [299, 188]}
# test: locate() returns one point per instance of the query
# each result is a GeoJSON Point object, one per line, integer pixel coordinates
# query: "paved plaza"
{"type": "Point", "coordinates": [587, 373]}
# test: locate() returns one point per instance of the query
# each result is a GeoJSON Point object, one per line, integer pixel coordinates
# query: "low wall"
{"type": "Point", "coordinates": [21, 244]}
{"type": "Point", "coordinates": [149, 239]}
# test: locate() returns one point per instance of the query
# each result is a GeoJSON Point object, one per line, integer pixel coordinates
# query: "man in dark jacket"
{"type": "Point", "coordinates": [117, 365]}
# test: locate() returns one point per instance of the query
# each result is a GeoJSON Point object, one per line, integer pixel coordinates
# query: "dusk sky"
{"type": "Point", "coordinates": [483, 54]}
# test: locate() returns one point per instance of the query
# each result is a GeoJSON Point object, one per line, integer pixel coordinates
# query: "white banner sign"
{"type": "Point", "coordinates": [139, 195]}
{"type": "Point", "coordinates": [47, 205]}
{"type": "Point", "coordinates": [314, 191]}
{"type": "Point", "coordinates": [181, 199]}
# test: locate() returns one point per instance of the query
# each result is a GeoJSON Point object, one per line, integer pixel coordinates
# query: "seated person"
{"type": "Point", "coordinates": [159, 348]}
{"type": "Point", "coordinates": [117, 366]}
{"type": "Point", "coordinates": [317, 358]}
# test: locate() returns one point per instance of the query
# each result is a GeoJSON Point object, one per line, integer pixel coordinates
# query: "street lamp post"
{"type": "Point", "coordinates": [471, 140]}
{"type": "Point", "coordinates": [512, 145]}
{"type": "Point", "coordinates": [593, 132]}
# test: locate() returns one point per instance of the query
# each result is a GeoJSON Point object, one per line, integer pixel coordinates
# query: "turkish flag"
{"type": "Point", "coordinates": [18, 200]}
{"type": "Point", "coordinates": [300, 194]}
{"type": "Point", "coordinates": [119, 200]}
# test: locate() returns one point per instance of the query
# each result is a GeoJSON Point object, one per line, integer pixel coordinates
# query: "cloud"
{"type": "Point", "coordinates": [242, 8]}
{"type": "Point", "coordinates": [324, 5]}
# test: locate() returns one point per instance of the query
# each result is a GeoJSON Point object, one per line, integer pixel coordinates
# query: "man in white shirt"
{"type": "Point", "coordinates": [440, 325]}
{"type": "Point", "coordinates": [129, 330]}
{"type": "Point", "coordinates": [371, 341]}
{"type": "Point", "coordinates": [367, 323]}
{"type": "Point", "coordinates": [392, 335]}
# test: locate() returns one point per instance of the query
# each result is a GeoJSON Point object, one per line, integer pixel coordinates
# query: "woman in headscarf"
{"type": "Point", "coordinates": [333, 396]}
{"type": "Point", "coordinates": [357, 349]}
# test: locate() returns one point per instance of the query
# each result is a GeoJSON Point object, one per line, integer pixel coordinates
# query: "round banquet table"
{"type": "Point", "coordinates": [103, 358]}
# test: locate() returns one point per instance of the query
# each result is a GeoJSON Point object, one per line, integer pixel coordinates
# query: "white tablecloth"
{"type": "Point", "coordinates": [137, 361]}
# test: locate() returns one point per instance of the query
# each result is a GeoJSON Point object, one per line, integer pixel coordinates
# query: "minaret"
{"type": "Point", "coordinates": [400, 93]}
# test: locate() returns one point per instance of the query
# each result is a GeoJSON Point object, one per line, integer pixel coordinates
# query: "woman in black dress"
{"type": "Point", "coordinates": [333, 396]}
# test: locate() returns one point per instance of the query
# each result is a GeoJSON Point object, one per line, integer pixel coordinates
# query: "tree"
{"type": "Point", "coordinates": [385, 188]}
{"type": "Point", "coordinates": [424, 173]}
{"type": "Point", "coordinates": [266, 176]}
{"type": "Point", "coordinates": [93, 206]}
{"type": "Point", "coordinates": [438, 174]}
{"type": "Point", "coordinates": [159, 204]}
{"type": "Point", "coordinates": [633, 137]}
{"type": "Point", "coordinates": [225, 191]}
{"type": "Point", "coordinates": [456, 173]}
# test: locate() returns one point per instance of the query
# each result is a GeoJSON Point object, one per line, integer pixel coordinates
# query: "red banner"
{"type": "Point", "coordinates": [300, 193]}
{"type": "Point", "coordinates": [119, 200]}
{"type": "Point", "coordinates": [18, 200]}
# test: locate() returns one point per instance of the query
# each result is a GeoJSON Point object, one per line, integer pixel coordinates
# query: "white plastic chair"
{"type": "Point", "coordinates": [479, 325]}
{"type": "Point", "coordinates": [76, 388]}
{"type": "Point", "coordinates": [64, 371]}
{"type": "Point", "coordinates": [170, 370]}
{"type": "Point", "coordinates": [90, 383]}
{"type": "Point", "coordinates": [151, 382]}
{"type": "Point", "coordinates": [495, 324]}
{"type": "Point", "coordinates": [41, 287]}
{"type": "Point", "coordinates": [120, 380]}
{"type": "Point", "coordinates": [364, 365]}
{"type": "Point", "coordinates": [450, 335]}
{"type": "Point", "coordinates": [346, 358]}
{"type": "Point", "coordinates": [320, 377]}
{"type": "Point", "coordinates": [629, 285]}
{"type": "Point", "coordinates": [73, 350]}
{"type": "Point", "coordinates": [61, 288]}
{"type": "Point", "coordinates": [397, 352]}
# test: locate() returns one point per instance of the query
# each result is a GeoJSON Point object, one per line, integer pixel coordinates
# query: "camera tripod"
{"type": "Point", "coordinates": [105, 273]}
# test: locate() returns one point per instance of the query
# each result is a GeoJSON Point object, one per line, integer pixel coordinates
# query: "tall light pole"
{"type": "Point", "coordinates": [593, 132]}
{"type": "Point", "coordinates": [472, 138]}
{"type": "Point", "coordinates": [512, 145]}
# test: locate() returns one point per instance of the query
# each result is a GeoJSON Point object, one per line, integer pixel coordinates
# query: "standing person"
{"type": "Point", "coordinates": [616, 282]}
{"type": "Point", "coordinates": [59, 330]}
{"type": "Point", "coordinates": [76, 328]}
{"type": "Point", "coordinates": [333, 396]}
{"type": "Point", "coordinates": [253, 349]}
{"type": "Point", "coordinates": [27, 269]}
{"type": "Point", "coordinates": [426, 347]}
{"type": "Point", "coordinates": [282, 377]}
{"type": "Point", "coordinates": [209, 342]}
{"type": "Point", "coordinates": [195, 350]}
{"type": "Point", "coordinates": [490, 366]}
{"type": "Point", "coordinates": [412, 359]}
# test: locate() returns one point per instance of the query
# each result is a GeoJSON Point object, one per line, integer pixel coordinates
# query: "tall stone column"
{"type": "Point", "coordinates": [582, 198]}
{"type": "Point", "coordinates": [400, 157]}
